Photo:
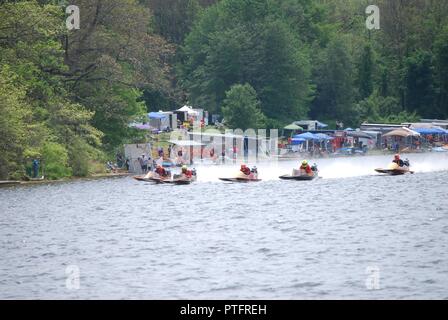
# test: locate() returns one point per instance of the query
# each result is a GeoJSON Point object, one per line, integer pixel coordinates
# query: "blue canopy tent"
{"type": "Point", "coordinates": [297, 141]}
{"type": "Point", "coordinates": [323, 136]}
{"type": "Point", "coordinates": [324, 139]}
{"type": "Point", "coordinates": [431, 131]}
{"type": "Point", "coordinates": [156, 115]}
{"type": "Point", "coordinates": [158, 120]}
{"type": "Point", "coordinates": [442, 133]}
{"type": "Point", "coordinates": [306, 136]}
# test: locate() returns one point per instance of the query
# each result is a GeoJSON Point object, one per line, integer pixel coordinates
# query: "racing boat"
{"type": "Point", "coordinates": [299, 175]}
{"type": "Point", "coordinates": [153, 177]}
{"type": "Point", "coordinates": [158, 179]}
{"type": "Point", "coordinates": [141, 178]}
{"type": "Point", "coordinates": [176, 179]}
{"type": "Point", "coordinates": [183, 179]}
{"type": "Point", "coordinates": [241, 177]}
{"type": "Point", "coordinates": [299, 178]}
{"type": "Point", "coordinates": [395, 170]}
{"type": "Point", "coordinates": [144, 177]}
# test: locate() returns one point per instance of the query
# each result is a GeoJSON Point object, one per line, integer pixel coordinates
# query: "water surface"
{"type": "Point", "coordinates": [214, 240]}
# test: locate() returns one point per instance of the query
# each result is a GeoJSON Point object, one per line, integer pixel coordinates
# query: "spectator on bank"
{"type": "Point", "coordinates": [35, 168]}
{"type": "Point", "coordinates": [127, 164]}
{"type": "Point", "coordinates": [119, 159]}
{"type": "Point", "coordinates": [140, 162]}
{"type": "Point", "coordinates": [110, 166]}
{"type": "Point", "coordinates": [146, 163]}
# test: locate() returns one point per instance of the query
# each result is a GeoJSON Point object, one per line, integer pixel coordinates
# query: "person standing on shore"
{"type": "Point", "coordinates": [35, 168]}
{"type": "Point", "coordinates": [144, 164]}
{"type": "Point", "coordinates": [140, 161]}
{"type": "Point", "coordinates": [127, 164]}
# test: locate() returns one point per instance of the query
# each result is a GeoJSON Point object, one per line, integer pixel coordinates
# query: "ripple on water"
{"type": "Point", "coordinates": [218, 240]}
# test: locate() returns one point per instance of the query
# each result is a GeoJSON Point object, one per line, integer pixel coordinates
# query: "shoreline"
{"type": "Point", "coordinates": [11, 183]}
{"type": "Point", "coordinates": [294, 157]}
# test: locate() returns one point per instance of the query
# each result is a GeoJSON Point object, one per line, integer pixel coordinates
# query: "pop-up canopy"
{"type": "Point", "coordinates": [188, 110]}
{"type": "Point", "coordinates": [157, 115]}
{"type": "Point", "coordinates": [323, 136]}
{"type": "Point", "coordinates": [359, 134]}
{"type": "Point", "coordinates": [293, 126]}
{"type": "Point", "coordinates": [297, 141]}
{"type": "Point", "coordinates": [402, 132]}
{"type": "Point", "coordinates": [306, 136]}
{"type": "Point", "coordinates": [435, 130]}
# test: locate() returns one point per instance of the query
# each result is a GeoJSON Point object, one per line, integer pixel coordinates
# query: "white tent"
{"type": "Point", "coordinates": [188, 110]}
{"type": "Point", "coordinates": [402, 132]}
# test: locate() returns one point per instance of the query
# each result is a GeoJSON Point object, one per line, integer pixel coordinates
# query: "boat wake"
{"type": "Point", "coordinates": [334, 168]}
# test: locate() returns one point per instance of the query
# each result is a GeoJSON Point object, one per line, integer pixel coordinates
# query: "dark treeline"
{"type": "Point", "coordinates": [68, 96]}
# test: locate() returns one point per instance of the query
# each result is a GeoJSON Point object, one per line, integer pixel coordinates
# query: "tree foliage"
{"type": "Point", "coordinates": [247, 42]}
{"type": "Point", "coordinates": [70, 95]}
{"type": "Point", "coordinates": [241, 108]}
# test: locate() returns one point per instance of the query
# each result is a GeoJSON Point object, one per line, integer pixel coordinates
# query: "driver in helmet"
{"type": "Point", "coordinates": [186, 172]}
{"type": "Point", "coordinates": [160, 170]}
{"type": "Point", "coordinates": [398, 161]}
{"type": "Point", "coordinates": [305, 167]}
{"type": "Point", "coordinates": [245, 169]}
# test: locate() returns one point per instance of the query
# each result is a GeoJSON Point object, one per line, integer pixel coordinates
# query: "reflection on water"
{"type": "Point", "coordinates": [273, 239]}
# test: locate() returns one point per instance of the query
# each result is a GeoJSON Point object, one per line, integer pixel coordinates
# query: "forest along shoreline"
{"type": "Point", "coordinates": [255, 64]}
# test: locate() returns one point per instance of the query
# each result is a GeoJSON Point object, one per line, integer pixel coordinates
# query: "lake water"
{"type": "Point", "coordinates": [352, 234]}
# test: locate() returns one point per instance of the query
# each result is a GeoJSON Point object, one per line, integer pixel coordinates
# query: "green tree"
{"type": "Point", "coordinates": [379, 109]}
{"type": "Point", "coordinates": [173, 18]}
{"type": "Point", "coordinates": [420, 92]}
{"type": "Point", "coordinates": [241, 109]}
{"type": "Point", "coordinates": [55, 158]}
{"type": "Point", "coordinates": [335, 85]}
{"type": "Point", "coordinates": [247, 42]}
{"type": "Point", "coordinates": [31, 50]}
{"type": "Point", "coordinates": [13, 126]}
{"type": "Point", "coordinates": [441, 49]}
{"type": "Point", "coordinates": [112, 60]}
{"type": "Point", "coordinates": [365, 72]}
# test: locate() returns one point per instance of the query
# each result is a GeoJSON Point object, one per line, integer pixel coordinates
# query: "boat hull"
{"type": "Point", "coordinates": [244, 180]}
{"type": "Point", "coordinates": [394, 172]}
{"type": "Point", "coordinates": [157, 180]}
{"type": "Point", "coordinates": [141, 178]}
{"type": "Point", "coordinates": [298, 178]}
